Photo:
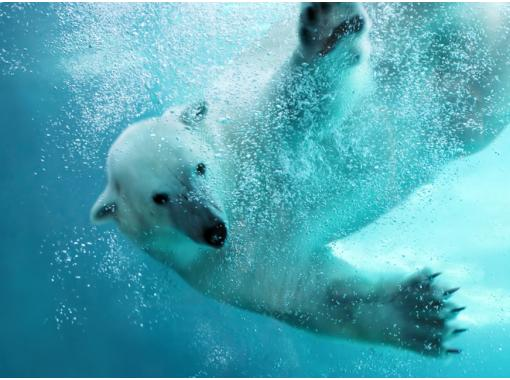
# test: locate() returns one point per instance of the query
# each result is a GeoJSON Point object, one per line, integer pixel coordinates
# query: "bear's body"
{"type": "Point", "coordinates": [243, 197]}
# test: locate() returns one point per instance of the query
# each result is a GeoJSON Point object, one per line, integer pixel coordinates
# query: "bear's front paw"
{"type": "Point", "coordinates": [425, 315]}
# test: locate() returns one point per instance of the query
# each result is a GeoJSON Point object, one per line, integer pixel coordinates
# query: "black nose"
{"type": "Point", "coordinates": [216, 235]}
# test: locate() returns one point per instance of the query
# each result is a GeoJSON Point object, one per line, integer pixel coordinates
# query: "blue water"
{"type": "Point", "coordinates": [77, 300]}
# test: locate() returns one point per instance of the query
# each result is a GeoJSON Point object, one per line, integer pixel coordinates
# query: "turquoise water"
{"type": "Point", "coordinates": [77, 300]}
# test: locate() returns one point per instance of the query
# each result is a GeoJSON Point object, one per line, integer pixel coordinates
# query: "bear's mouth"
{"type": "Point", "coordinates": [216, 235]}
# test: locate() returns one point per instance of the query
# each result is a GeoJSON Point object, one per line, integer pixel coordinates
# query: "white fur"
{"type": "Point", "coordinates": [315, 156]}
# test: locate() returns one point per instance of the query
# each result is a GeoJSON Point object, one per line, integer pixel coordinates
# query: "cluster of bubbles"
{"type": "Point", "coordinates": [121, 63]}
{"type": "Point", "coordinates": [146, 290]}
{"type": "Point", "coordinates": [124, 62]}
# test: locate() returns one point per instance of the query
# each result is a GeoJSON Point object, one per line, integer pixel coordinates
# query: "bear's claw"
{"type": "Point", "coordinates": [449, 292]}
{"type": "Point", "coordinates": [458, 309]}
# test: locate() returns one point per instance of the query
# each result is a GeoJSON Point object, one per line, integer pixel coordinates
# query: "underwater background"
{"type": "Point", "coordinates": [80, 300]}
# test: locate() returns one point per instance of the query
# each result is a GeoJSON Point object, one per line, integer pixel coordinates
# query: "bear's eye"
{"type": "Point", "coordinates": [161, 198]}
{"type": "Point", "coordinates": [201, 169]}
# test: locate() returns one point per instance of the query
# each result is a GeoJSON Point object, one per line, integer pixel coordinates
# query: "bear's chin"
{"type": "Point", "coordinates": [173, 248]}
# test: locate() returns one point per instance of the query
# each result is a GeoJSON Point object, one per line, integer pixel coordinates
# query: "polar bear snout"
{"type": "Point", "coordinates": [210, 229]}
{"type": "Point", "coordinates": [201, 220]}
{"type": "Point", "coordinates": [216, 235]}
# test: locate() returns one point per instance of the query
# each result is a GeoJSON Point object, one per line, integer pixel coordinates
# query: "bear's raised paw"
{"type": "Point", "coordinates": [324, 25]}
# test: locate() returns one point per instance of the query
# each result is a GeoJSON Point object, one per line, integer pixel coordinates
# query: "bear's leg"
{"type": "Point", "coordinates": [323, 26]}
{"type": "Point", "coordinates": [472, 72]}
{"type": "Point", "coordinates": [328, 72]}
{"type": "Point", "coordinates": [414, 314]}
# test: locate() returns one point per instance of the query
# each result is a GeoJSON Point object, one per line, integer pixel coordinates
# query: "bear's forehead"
{"type": "Point", "coordinates": [156, 159]}
{"type": "Point", "coordinates": [143, 174]}
{"type": "Point", "coordinates": [155, 137]}
{"type": "Point", "coordinates": [155, 147]}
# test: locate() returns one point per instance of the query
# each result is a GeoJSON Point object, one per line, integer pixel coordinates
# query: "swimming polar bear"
{"type": "Point", "coordinates": [243, 199]}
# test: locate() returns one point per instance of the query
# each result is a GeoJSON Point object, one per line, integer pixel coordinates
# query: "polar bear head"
{"type": "Point", "coordinates": [161, 185]}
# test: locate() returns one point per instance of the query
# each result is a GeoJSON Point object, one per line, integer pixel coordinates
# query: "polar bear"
{"type": "Point", "coordinates": [243, 199]}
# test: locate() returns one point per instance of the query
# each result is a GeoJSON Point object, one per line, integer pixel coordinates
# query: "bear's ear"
{"type": "Point", "coordinates": [194, 113]}
{"type": "Point", "coordinates": [104, 209]}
